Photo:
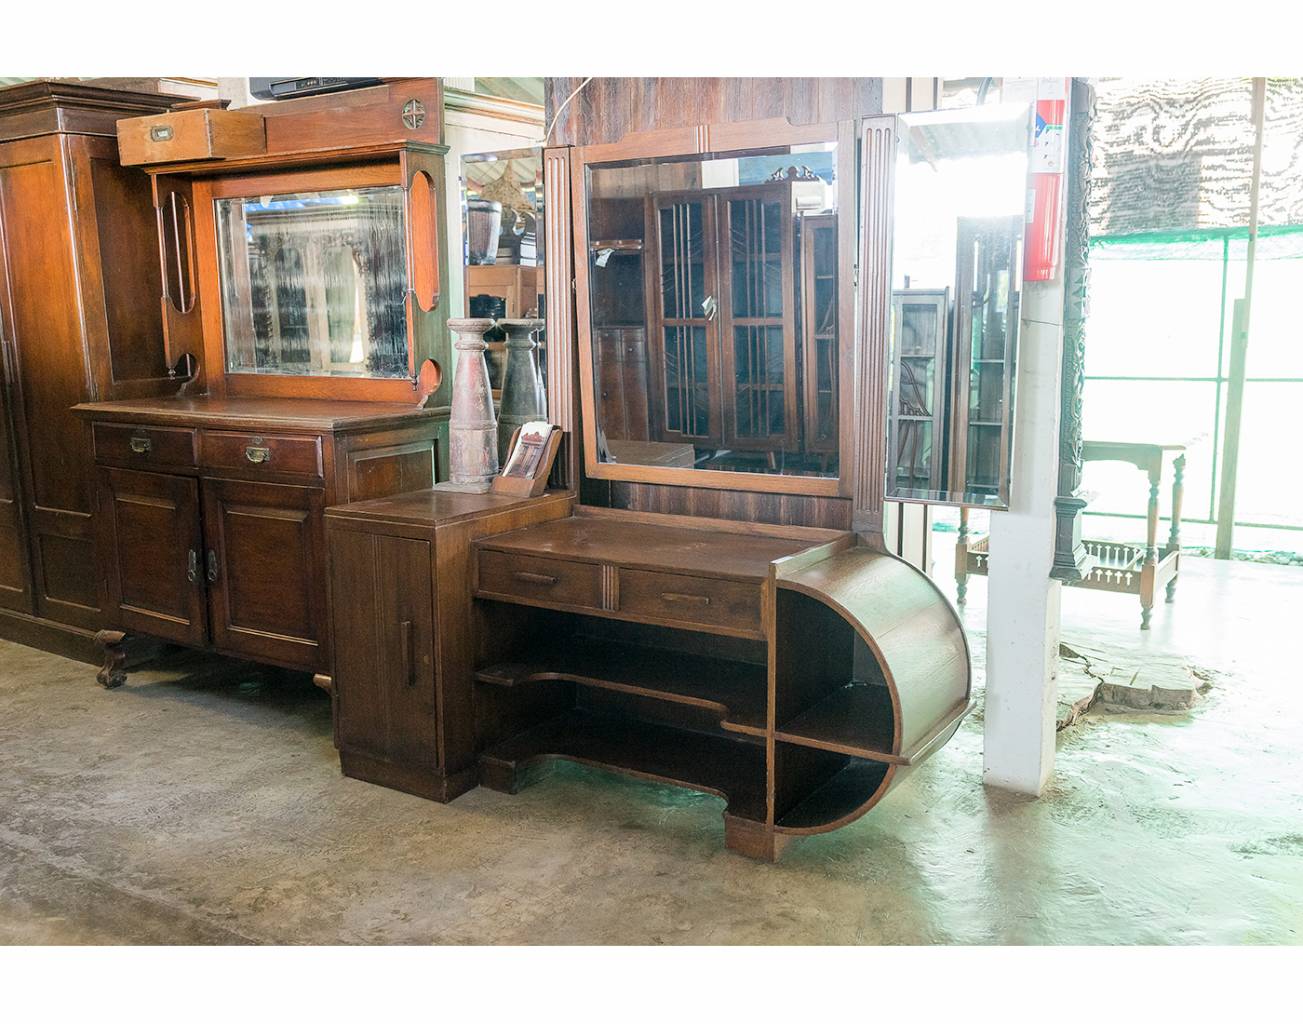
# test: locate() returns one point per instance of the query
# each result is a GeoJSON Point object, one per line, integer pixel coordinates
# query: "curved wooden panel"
{"type": "Point", "coordinates": [911, 629]}
{"type": "Point", "coordinates": [422, 214]}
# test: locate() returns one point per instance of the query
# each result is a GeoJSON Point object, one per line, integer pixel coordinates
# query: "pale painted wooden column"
{"type": "Point", "coordinates": [1022, 618]}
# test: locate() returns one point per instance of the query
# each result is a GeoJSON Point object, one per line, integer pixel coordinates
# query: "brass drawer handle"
{"type": "Point", "coordinates": [192, 567]}
{"type": "Point", "coordinates": [141, 445]}
{"type": "Point", "coordinates": [674, 598]}
{"type": "Point", "coordinates": [258, 456]}
{"type": "Point", "coordinates": [535, 577]}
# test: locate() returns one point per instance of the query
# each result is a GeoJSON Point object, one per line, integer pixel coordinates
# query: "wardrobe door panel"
{"type": "Point", "coordinates": [50, 376]}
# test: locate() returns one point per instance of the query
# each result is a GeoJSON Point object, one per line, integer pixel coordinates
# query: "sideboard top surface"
{"type": "Point", "coordinates": [434, 507]}
{"type": "Point", "coordinates": [626, 542]}
{"type": "Point", "coordinates": [303, 413]}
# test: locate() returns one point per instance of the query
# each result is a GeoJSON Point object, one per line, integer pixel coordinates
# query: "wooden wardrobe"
{"type": "Point", "coordinates": [80, 320]}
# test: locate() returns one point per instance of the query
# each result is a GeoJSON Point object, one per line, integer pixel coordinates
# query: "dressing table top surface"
{"type": "Point", "coordinates": [627, 541]}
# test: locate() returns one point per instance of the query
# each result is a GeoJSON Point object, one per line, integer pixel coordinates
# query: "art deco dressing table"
{"type": "Point", "coordinates": [301, 255]}
{"type": "Point", "coordinates": [759, 645]}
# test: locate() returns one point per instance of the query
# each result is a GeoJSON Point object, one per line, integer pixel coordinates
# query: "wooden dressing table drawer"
{"type": "Point", "coordinates": [699, 601]}
{"type": "Point", "coordinates": [143, 447]}
{"type": "Point", "coordinates": [272, 454]}
{"type": "Point", "coordinates": [545, 581]}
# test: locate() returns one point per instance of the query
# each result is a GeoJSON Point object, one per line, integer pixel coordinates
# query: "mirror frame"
{"type": "Point", "coordinates": [709, 141]}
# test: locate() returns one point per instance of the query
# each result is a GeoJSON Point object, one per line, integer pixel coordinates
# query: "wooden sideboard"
{"type": "Point", "coordinates": [209, 521]}
{"type": "Point", "coordinates": [792, 671]}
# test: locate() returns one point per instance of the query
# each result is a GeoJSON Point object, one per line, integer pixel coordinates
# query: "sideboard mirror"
{"type": "Point", "coordinates": [502, 245]}
{"type": "Point", "coordinates": [713, 295]}
{"type": "Point", "coordinates": [957, 235]}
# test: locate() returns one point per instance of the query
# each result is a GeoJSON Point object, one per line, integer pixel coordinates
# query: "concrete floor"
{"type": "Point", "coordinates": [202, 803]}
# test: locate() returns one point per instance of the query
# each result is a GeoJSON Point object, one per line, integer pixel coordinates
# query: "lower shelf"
{"type": "Point", "coordinates": [846, 792]}
{"type": "Point", "coordinates": [734, 689]}
{"type": "Point", "coordinates": [732, 769]}
{"type": "Point", "coordinates": [855, 719]}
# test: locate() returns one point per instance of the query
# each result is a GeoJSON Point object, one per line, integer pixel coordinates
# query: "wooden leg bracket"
{"type": "Point", "coordinates": [112, 673]}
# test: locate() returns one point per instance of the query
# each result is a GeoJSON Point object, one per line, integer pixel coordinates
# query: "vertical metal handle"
{"type": "Point", "coordinates": [212, 566]}
{"type": "Point", "coordinates": [192, 566]}
{"type": "Point", "coordinates": [409, 655]}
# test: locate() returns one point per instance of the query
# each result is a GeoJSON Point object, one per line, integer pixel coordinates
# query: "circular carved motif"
{"type": "Point", "coordinates": [413, 114]}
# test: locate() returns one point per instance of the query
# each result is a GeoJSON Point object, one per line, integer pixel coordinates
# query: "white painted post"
{"type": "Point", "coordinates": [1022, 619]}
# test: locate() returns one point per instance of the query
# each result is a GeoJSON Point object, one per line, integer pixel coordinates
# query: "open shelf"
{"type": "Point", "coordinates": [854, 719]}
{"type": "Point", "coordinates": [844, 793]}
{"type": "Point", "coordinates": [737, 690]}
{"type": "Point", "coordinates": [733, 769]}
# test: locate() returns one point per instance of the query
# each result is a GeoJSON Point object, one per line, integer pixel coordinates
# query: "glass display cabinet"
{"type": "Point", "coordinates": [920, 370]}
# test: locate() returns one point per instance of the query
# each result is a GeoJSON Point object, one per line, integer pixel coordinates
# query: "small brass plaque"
{"type": "Point", "coordinates": [160, 133]}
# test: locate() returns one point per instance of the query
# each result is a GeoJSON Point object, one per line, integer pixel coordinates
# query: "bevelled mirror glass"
{"type": "Point", "coordinates": [314, 283]}
{"type": "Point", "coordinates": [502, 249]}
{"type": "Point", "coordinates": [957, 237]}
{"type": "Point", "coordinates": [713, 287]}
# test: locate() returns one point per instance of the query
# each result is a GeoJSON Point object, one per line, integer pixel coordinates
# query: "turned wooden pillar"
{"type": "Point", "coordinates": [472, 430]}
{"type": "Point", "coordinates": [523, 396]}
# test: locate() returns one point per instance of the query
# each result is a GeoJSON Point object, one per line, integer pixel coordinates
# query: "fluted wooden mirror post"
{"type": "Point", "coordinates": [523, 396]}
{"type": "Point", "coordinates": [472, 429]}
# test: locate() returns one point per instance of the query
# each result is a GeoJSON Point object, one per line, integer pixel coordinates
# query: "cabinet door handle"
{"type": "Point", "coordinates": [409, 655]}
{"type": "Point", "coordinates": [674, 598]}
{"type": "Point", "coordinates": [212, 566]}
{"type": "Point", "coordinates": [257, 455]}
{"type": "Point", "coordinates": [141, 445]}
{"type": "Point", "coordinates": [192, 566]}
{"type": "Point", "coordinates": [535, 577]}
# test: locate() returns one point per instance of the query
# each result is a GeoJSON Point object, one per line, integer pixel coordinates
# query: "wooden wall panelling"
{"type": "Point", "coordinates": [607, 109]}
{"type": "Point", "coordinates": [869, 419]}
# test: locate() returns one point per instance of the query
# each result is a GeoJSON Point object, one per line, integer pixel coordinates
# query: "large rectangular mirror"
{"type": "Point", "coordinates": [716, 308]}
{"type": "Point", "coordinates": [957, 236]}
{"type": "Point", "coordinates": [313, 283]}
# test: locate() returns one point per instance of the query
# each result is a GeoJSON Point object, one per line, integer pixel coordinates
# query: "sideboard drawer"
{"type": "Point", "coordinates": [270, 454]}
{"type": "Point", "coordinates": [143, 447]}
{"type": "Point", "coordinates": [703, 602]}
{"type": "Point", "coordinates": [546, 581]}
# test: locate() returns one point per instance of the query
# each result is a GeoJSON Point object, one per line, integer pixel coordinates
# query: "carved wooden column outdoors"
{"type": "Point", "coordinates": [472, 430]}
{"type": "Point", "coordinates": [1072, 562]}
{"type": "Point", "coordinates": [523, 397]}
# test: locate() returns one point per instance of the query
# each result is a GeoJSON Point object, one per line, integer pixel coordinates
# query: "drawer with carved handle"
{"type": "Point", "coordinates": [701, 602]}
{"type": "Point", "coordinates": [543, 581]}
{"type": "Point", "coordinates": [261, 454]}
{"type": "Point", "coordinates": [122, 444]}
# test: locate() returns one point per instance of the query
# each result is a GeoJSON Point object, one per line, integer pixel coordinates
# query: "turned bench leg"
{"type": "Point", "coordinates": [112, 674]}
{"type": "Point", "coordinates": [1174, 537]}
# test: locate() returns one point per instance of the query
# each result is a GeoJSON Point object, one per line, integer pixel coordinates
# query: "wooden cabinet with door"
{"type": "Point", "coordinates": [211, 535]}
{"type": "Point", "coordinates": [79, 320]}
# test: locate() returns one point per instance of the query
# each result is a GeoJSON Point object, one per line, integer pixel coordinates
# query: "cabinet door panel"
{"type": "Point", "coordinates": [267, 597]}
{"type": "Point", "coordinates": [149, 525]}
{"type": "Point", "coordinates": [383, 609]}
